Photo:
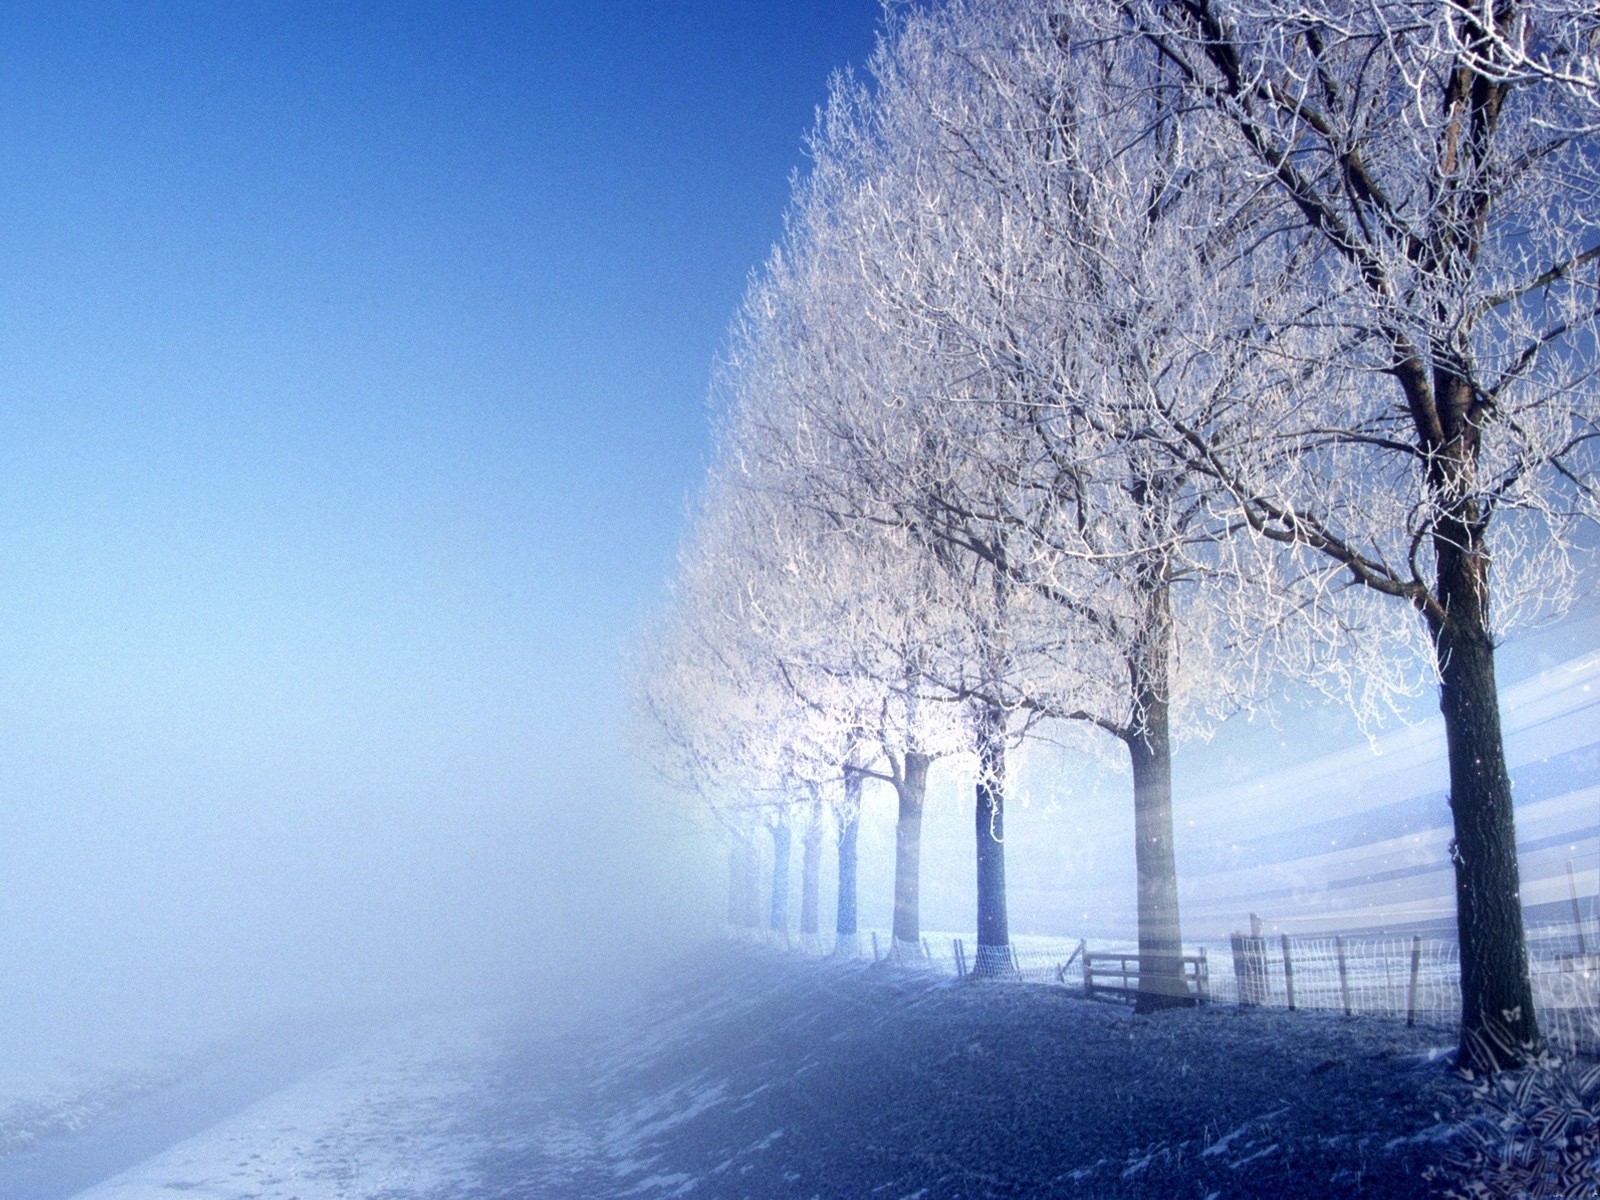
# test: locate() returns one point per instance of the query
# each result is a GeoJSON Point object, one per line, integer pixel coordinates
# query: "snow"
{"type": "Point", "coordinates": [380, 1122]}
{"type": "Point", "coordinates": [1220, 1146]}
{"type": "Point", "coordinates": [752, 1073]}
{"type": "Point", "coordinates": [48, 1101]}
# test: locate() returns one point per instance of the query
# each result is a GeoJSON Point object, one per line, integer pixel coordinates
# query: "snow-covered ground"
{"type": "Point", "coordinates": [310, 1109]}
{"type": "Point", "coordinates": [753, 1073]}
{"type": "Point", "coordinates": [381, 1121]}
{"type": "Point", "coordinates": [44, 1101]}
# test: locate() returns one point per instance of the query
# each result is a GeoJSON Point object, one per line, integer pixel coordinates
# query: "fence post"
{"type": "Point", "coordinates": [1288, 971]}
{"type": "Point", "coordinates": [1202, 979]}
{"type": "Point", "coordinates": [1577, 915]}
{"type": "Point", "coordinates": [1240, 974]}
{"type": "Point", "coordinates": [1256, 956]}
{"type": "Point", "coordinates": [1250, 966]}
{"type": "Point", "coordinates": [874, 945]}
{"type": "Point", "coordinates": [926, 949]}
{"type": "Point", "coordinates": [961, 958]}
{"type": "Point", "coordinates": [1016, 968]}
{"type": "Point", "coordinates": [1344, 976]}
{"type": "Point", "coordinates": [1088, 978]}
{"type": "Point", "coordinates": [1061, 971]}
{"type": "Point", "coordinates": [1416, 969]}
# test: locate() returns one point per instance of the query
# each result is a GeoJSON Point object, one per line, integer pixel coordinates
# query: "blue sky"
{"type": "Point", "coordinates": [352, 374]}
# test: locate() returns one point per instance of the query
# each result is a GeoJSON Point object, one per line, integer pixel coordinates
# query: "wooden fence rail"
{"type": "Point", "coordinates": [1117, 974]}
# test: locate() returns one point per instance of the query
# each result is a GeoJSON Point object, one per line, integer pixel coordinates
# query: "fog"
{"type": "Point", "coordinates": [151, 908]}
{"type": "Point", "coordinates": [330, 722]}
{"type": "Point", "coordinates": [354, 378]}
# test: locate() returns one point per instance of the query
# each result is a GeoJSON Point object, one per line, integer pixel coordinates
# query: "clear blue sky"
{"type": "Point", "coordinates": [352, 375]}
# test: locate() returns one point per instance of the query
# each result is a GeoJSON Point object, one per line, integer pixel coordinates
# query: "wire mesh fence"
{"type": "Point", "coordinates": [1566, 985]}
{"type": "Point", "coordinates": [1411, 977]}
{"type": "Point", "coordinates": [1415, 977]}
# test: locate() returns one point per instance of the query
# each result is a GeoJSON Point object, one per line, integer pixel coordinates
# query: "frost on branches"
{"type": "Point", "coordinates": [1123, 360]}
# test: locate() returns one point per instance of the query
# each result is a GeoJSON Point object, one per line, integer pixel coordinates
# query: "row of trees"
{"type": "Point", "coordinates": [1123, 359]}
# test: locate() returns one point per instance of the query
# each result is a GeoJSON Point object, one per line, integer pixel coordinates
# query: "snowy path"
{"type": "Point", "coordinates": [63, 1131]}
{"type": "Point", "coordinates": [380, 1121]}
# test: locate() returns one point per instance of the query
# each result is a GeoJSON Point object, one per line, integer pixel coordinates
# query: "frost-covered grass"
{"type": "Point", "coordinates": [762, 1074]}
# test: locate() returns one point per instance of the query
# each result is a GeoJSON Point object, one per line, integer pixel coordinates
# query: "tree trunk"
{"type": "Point", "coordinates": [912, 789]}
{"type": "Point", "coordinates": [994, 939]}
{"type": "Point", "coordinates": [810, 871]}
{"type": "Point", "coordinates": [1149, 742]}
{"type": "Point", "coordinates": [736, 865]}
{"type": "Point", "coordinates": [778, 918]}
{"type": "Point", "coordinates": [752, 884]}
{"type": "Point", "coordinates": [846, 937]}
{"type": "Point", "coordinates": [1161, 983]}
{"type": "Point", "coordinates": [1498, 1025]}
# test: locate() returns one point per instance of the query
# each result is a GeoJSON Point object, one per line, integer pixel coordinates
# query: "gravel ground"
{"type": "Point", "coordinates": [755, 1074]}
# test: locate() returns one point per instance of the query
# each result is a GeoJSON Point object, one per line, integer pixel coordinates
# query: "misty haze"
{"type": "Point", "coordinates": [962, 598]}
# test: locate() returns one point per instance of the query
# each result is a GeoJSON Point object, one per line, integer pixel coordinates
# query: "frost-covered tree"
{"type": "Point", "coordinates": [1432, 172]}
{"type": "Point", "coordinates": [1114, 334]}
{"type": "Point", "coordinates": [999, 259]}
{"type": "Point", "coordinates": [922, 624]}
{"type": "Point", "coordinates": [686, 743]}
{"type": "Point", "coordinates": [844, 603]}
{"type": "Point", "coordinates": [729, 724]}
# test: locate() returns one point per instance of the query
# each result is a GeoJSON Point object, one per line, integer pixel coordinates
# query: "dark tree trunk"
{"type": "Point", "coordinates": [1149, 742]}
{"type": "Point", "coordinates": [778, 918]}
{"type": "Point", "coordinates": [994, 938]}
{"type": "Point", "coordinates": [1498, 1025]}
{"type": "Point", "coordinates": [912, 789]}
{"type": "Point", "coordinates": [810, 872]}
{"type": "Point", "coordinates": [845, 931]}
